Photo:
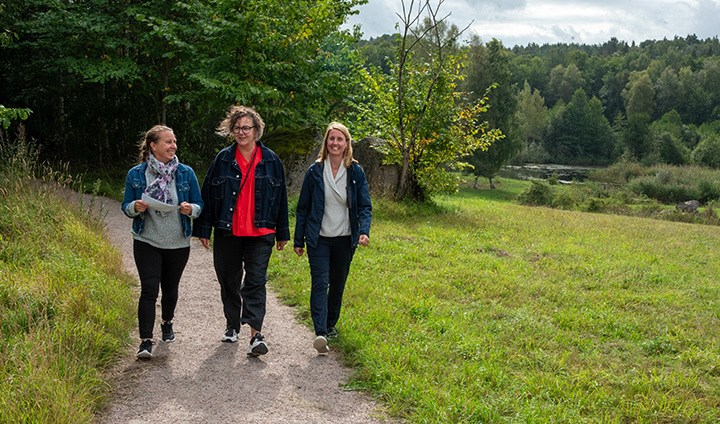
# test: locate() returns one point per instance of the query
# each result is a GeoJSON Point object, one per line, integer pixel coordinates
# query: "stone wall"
{"type": "Point", "coordinates": [382, 179]}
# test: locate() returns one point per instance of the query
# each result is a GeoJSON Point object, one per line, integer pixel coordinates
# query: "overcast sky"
{"type": "Point", "coordinates": [519, 22]}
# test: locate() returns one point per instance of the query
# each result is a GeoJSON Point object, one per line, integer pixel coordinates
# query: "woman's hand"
{"type": "Point", "coordinates": [140, 206]}
{"type": "Point", "coordinates": [280, 245]}
{"type": "Point", "coordinates": [205, 242]}
{"type": "Point", "coordinates": [299, 251]}
{"type": "Point", "coordinates": [364, 240]}
{"type": "Point", "coordinates": [185, 208]}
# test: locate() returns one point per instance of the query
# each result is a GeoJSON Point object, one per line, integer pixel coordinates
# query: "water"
{"type": "Point", "coordinates": [528, 171]}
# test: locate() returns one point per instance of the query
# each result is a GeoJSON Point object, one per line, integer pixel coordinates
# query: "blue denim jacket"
{"type": "Point", "coordinates": [220, 191]}
{"type": "Point", "coordinates": [186, 183]}
{"type": "Point", "coordinates": [311, 205]}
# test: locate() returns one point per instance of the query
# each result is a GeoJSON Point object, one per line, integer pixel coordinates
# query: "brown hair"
{"type": "Point", "coordinates": [348, 155]}
{"type": "Point", "coordinates": [151, 136]}
{"type": "Point", "coordinates": [225, 129]}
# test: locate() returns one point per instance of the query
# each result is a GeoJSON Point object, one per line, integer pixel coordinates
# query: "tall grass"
{"type": "Point", "coordinates": [478, 310]}
{"type": "Point", "coordinates": [65, 303]}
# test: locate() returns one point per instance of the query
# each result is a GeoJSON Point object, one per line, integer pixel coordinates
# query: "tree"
{"type": "Point", "coordinates": [533, 118]}
{"type": "Point", "coordinates": [488, 66]}
{"type": "Point", "coordinates": [416, 111]}
{"type": "Point", "coordinates": [639, 94]}
{"type": "Point", "coordinates": [106, 71]}
{"type": "Point", "coordinates": [707, 152]}
{"type": "Point", "coordinates": [564, 81]}
{"type": "Point", "coordinates": [636, 136]}
{"type": "Point", "coordinates": [579, 133]}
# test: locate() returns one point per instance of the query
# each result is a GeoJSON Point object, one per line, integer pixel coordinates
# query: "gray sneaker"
{"type": "Point", "coordinates": [320, 344]}
{"type": "Point", "coordinates": [230, 336]}
{"type": "Point", "coordinates": [257, 345]}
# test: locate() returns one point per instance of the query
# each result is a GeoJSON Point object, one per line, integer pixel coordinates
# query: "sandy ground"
{"type": "Point", "coordinates": [199, 379]}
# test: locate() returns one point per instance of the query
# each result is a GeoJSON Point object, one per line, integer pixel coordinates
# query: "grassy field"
{"type": "Point", "coordinates": [66, 306]}
{"type": "Point", "coordinates": [481, 310]}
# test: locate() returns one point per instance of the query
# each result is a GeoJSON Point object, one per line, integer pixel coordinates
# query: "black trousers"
{"type": "Point", "coordinates": [241, 267]}
{"type": "Point", "coordinates": [329, 269]}
{"type": "Point", "coordinates": [159, 269]}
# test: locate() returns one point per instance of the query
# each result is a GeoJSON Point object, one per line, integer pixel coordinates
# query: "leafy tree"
{"type": "Point", "coordinates": [488, 66]}
{"type": "Point", "coordinates": [105, 71]}
{"type": "Point", "coordinates": [671, 150]}
{"type": "Point", "coordinates": [639, 94]}
{"type": "Point", "coordinates": [564, 81]}
{"type": "Point", "coordinates": [668, 91]}
{"type": "Point", "coordinates": [415, 110]}
{"type": "Point", "coordinates": [533, 119]}
{"type": "Point", "coordinates": [579, 132]}
{"type": "Point", "coordinates": [707, 152]}
{"type": "Point", "coordinates": [636, 136]}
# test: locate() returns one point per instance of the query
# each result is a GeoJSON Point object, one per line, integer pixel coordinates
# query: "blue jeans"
{"type": "Point", "coordinates": [329, 268]}
{"type": "Point", "coordinates": [241, 267]}
{"type": "Point", "coordinates": [158, 269]}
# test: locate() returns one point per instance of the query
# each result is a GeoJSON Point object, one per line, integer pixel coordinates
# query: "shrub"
{"type": "Point", "coordinates": [538, 194]}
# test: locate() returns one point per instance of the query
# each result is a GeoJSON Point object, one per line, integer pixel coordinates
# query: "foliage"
{"type": "Point", "coordinates": [549, 319]}
{"type": "Point", "coordinates": [416, 110]}
{"type": "Point", "coordinates": [9, 115]}
{"type": "Point", "coordinates": [579, 133]}
{"type": "Point", "coordinates": [179, 63]}
{"type": "Point", "coordinates": [707, 153]}
{"type": "Point", "coordinates": [487, 66]}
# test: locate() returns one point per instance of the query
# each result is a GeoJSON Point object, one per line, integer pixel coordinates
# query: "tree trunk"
{"type": "Point", "coordinates": [492, 183]}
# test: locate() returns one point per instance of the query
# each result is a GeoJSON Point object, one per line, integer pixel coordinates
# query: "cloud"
{"type": "Point", "coordinates": [519, 22]}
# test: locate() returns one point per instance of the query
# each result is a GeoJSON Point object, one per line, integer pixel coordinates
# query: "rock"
{"type": "Point", "coordinates": [689, 206]}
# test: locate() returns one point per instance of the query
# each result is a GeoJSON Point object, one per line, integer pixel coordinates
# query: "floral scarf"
{"type": "Point", "coordinates": [164, 174]}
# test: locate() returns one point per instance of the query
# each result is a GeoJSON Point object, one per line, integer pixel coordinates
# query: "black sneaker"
{"type": "Point", "coordinates": [332, 333]}
{"type": "Point", "coordinates": [145, 351]}
{"type": "Point", "coordinates": [168, 336]}
{"type": "Point", "coordinates": [257, 345]}
{"type": "Point", "coordinates": [230, 336]}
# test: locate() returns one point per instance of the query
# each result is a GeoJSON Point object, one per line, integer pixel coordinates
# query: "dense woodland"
{"type": "Point", "coordinates": [96, 74]}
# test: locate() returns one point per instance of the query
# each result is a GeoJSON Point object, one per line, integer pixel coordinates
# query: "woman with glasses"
{"type": "Point", "coordinates": [333, 216]}
{"type": "Point", "coordinates": [246, 209]}
{"type": "Point", "coordinates": [162, 196]}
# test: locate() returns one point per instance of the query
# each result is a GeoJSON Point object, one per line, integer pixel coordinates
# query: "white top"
{"type": "Point", "coordinates": [336, 216]}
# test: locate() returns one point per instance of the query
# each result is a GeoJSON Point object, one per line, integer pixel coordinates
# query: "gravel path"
{"type": "Point", "coordinates": [199, 379]}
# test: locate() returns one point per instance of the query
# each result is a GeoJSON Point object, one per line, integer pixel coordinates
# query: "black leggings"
{"type": "Point", "coordinates": [158, 269]}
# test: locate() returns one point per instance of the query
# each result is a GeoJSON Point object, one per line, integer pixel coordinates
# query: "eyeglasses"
{"type": "Point", "coordinates": [244, 130]}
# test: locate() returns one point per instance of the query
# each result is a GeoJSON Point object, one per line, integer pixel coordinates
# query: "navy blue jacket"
{"type": "Point", "coordinates": [311, 205]}
{"type": "Point", "coordinates": [221, 188]}
{"type": "Point", "coordinates": [186, 184]}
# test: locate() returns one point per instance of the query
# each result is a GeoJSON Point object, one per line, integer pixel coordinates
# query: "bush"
{"type": "Point", "coordinates": [538, 194]}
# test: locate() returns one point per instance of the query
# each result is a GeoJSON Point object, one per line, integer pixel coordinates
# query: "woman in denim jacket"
{"type": "Point", "coordinates": [162, 196]}
{"type": "Point", "coordinates": [246, 208]}
{"type": "Point", "coordinates": [333, 216]}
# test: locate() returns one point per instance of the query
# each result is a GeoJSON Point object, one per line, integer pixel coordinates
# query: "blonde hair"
{"type": "Point", "coordinates": [151, 136]}
{"type": "Point", "coordinates": [348, 155]}
{"type": "Point", "coordinates": [225, 129]}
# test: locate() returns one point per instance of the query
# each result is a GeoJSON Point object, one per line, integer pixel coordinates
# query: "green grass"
{"type": "Point", "coordinates": [66, 306]}
{"type": "Point", "coordinates": [481, 310]}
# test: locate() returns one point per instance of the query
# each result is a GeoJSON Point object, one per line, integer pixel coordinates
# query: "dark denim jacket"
{"type": "Point", "coordinates": [186, 183]}
{"type": "Point", "coordinates": [311, 205]}
{"type": "Point", "coordinates": [220, 191]}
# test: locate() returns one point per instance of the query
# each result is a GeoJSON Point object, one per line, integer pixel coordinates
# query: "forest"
{"type": "Point", "coordinates": [94, 75]}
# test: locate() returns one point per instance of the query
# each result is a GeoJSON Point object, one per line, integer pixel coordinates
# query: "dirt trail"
{"type": "Point", "coordinates": [199, 379]}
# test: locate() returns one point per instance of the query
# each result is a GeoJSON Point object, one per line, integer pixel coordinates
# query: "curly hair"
{"type": "Point", "coordinates": [225, 129]}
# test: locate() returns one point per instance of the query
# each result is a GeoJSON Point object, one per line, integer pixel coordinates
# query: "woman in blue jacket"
{"type": "Point", "coordinates": [333, 216]}
{"type": "Point", "coordinates": [162, 196]}
{"type": "Point", "coordinates": [246, 211]}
